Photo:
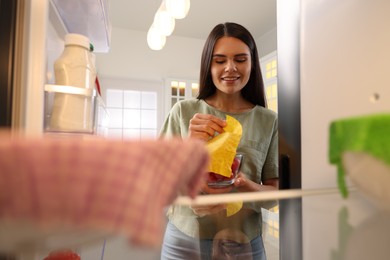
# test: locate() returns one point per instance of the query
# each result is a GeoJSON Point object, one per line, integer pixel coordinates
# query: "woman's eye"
{"type": "Point", "coordinates": [241, 60]}
{"type": "Point", "coordinates": [219, 61]}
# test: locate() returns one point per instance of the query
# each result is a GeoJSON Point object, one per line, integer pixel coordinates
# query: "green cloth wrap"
{"type": "Point", "coordinates": [369, 134]}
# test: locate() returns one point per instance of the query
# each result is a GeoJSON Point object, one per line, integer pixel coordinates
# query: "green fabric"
{"type": "Point", "coordinates": [259, 144]}
{"type": "Point", "coordinates": [369, 133]}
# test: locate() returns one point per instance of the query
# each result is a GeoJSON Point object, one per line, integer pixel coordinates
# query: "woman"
{"type": "Point", "coordinates": [230, 84]}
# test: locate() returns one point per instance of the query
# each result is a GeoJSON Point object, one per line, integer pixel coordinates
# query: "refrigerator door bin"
{"type": "Point", "coordinates": [74, 110]}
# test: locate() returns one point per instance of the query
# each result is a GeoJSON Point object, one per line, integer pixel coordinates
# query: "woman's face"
{"type": "Point", "coordinates": [231, 65]}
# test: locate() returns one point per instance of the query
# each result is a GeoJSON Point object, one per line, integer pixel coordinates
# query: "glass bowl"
{"type": "Point", "coordinates": [218, 181]}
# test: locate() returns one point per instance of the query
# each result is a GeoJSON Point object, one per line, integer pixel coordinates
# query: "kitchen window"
{"type": "Point", "coordinates": [181, 89]}
{"type": "Point", "coordinates": [269, 70]}
{"type": "Point", "coordinates": [133, 113]}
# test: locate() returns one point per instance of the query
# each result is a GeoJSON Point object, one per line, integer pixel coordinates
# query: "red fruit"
{"type": "Point", "coordinates": [215, 177]}
{"type": "Point", "coordinates": [235, 165]}
{"type": "Point", "coordinates": [62, 255]}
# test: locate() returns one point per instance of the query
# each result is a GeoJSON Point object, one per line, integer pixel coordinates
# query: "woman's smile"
{"type": "Point", "coordinates": [230, 78]}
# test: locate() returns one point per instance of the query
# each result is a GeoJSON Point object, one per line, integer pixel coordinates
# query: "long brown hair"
{"type": "Point", "coordinates": [254, 89]}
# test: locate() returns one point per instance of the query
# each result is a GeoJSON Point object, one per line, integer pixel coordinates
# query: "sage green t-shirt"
{"type": "Point", "coordinates": [259, 144]}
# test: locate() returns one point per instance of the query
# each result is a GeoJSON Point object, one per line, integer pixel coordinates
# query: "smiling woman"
{"type": "Point", "coordinates": [180, 59]}
{"type": "Point", "coordinates": [231, 86]}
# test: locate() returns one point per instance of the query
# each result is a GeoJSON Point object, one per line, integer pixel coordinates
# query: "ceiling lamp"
{"type": "Point", "coordinates": [178, 8]}
{"type": "Point", "coordinates": [155, 39]}
{"type": "Point", "coordinates": [163, 21]}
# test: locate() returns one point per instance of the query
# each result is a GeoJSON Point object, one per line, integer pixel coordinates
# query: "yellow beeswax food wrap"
{"type": "Point", "coordinates": [223, 147]}
{"type": "Point", "coordinates": [233, 207]}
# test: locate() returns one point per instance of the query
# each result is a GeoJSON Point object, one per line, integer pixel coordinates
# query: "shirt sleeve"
{"type": "Point", "coordinates": [171, 126]}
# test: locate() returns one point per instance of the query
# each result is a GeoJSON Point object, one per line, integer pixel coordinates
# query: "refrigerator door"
{"type": "Point", "coordinates": [7, 39]}
{"type": "Point", "coordinates": [41, 28]}
{"type": "Point", "coordinates": [345, 60]}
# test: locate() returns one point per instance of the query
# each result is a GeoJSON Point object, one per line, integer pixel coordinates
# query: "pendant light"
{"type": "Point", "coordinates": [164, 21]}
{"type": "Point", "coordinates": [178, 8]}
{"type": "Point", "coordinates": [155, 39]}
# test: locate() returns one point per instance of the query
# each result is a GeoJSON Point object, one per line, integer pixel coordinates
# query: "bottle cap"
{"type": "Point", "coordinates": [77, 39]}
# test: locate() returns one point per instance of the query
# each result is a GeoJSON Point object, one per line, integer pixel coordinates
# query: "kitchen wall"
{"type": "Point", "coordinates": [130, 57]}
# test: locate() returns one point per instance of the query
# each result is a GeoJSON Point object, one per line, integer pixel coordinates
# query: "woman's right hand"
{"type": "Point", "coordinates": [204, 126]}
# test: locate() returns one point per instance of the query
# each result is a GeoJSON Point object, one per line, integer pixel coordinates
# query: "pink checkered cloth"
{"type": "Point", "coordinates": [121, 187]}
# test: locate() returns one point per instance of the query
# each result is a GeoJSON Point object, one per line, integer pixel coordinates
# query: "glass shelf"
{"type": "Point", "coordinates": [333, 228]}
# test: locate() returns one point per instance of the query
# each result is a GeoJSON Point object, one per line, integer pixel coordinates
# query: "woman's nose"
{"type": "Point", "coordinates": [231, 66]}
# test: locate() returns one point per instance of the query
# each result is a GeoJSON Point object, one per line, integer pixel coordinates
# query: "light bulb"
{"type": "Point", "coordinates": [164, 22]}
{"type": "Point", "coordinates": [178, 8]}
{"type": "Point", "coordinates": [155, 39]}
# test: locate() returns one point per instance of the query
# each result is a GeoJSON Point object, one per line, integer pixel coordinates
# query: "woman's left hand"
{"type": "Point", "coordinates": [243, 184]}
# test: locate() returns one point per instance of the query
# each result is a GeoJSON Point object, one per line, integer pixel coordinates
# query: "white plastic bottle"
{"type": "Point", "coordinates": [74, 112]}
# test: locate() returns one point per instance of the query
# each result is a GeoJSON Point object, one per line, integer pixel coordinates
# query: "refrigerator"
{"type": "Point", "coordinates": [7, 32]}
{"type": "Point", "coordinates": [39, 28]}
{"type": "Point", "coordinates": [333, 62]}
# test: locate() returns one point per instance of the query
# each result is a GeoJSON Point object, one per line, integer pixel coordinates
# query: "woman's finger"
{"type": "Point", "coordinates": [207, 123]}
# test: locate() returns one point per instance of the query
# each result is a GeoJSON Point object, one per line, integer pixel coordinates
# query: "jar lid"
{"type": "Point", "coordinates": [77, 39]}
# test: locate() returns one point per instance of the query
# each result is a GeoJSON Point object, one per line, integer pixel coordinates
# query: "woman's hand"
{"type": "Point", "coordinates": [204, 126]}
{"type": "Point", "coordinates": [243, 184]}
